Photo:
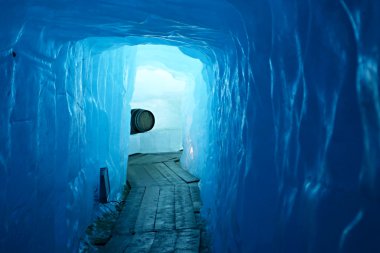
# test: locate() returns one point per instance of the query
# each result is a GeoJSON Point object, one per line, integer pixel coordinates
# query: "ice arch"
{"type": "Point", "coordinates": [292, 151]}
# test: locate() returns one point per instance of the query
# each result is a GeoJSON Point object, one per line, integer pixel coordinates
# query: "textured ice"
{"type": "Point", "coordinates": [286, 142]}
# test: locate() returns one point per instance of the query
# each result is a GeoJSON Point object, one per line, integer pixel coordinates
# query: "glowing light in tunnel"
{"type": "Point", "coordinates": [152, 82]}
{"type": "Point", "coordinates": [191, 152]}
{"type": "Point", "coordinates": [164, 84]}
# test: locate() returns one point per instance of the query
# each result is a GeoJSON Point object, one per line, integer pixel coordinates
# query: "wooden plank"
{"type": "Point", "coordinates": [133, 176]}
{"type": "Point", "coordinates": [149, 158]}
{"type": "Point", "coordinates": [188, 240]}
{"type": "Point", "coordinates": [148, 209]}
{"type": "Point", "coordinates": [165, 218]}
{"type": "Point", "coordinates": [138, 177]}
{"type": "Point", "coordinates": [164, 157]}
{"type": "Point", "coordinates": [164, 242]}
{"type": "Point", "coordinates": [195, 197]}
{"type": "Point", "coordinates": [141, 159]}
{"type": "Point", "coordinates": [117, 244]}
{"type": "Point", "coordinates": [183, 174]}
{"type": "Point", "coordinates": [128, 216]}
{"type": "Point", "coordinates": [153, 158]}
{"type": "Point", "coordinates": [152, 170]}
{"type": "Point", "coordinates": [184, 211]}
{"type": "Point", "coordinates": [153, 179]}
{"type": "Point", "coordinates": [169, 174]}
{"type": "Point", "coordinates": [135, 157]}
{"type": "Point", "coordinates": [161, 213]}
{"type": "Point", "coordinates": [141, 242]}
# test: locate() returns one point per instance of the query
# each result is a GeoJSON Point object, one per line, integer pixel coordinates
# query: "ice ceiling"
{"type": "Point", "coordinates": [286, 139]}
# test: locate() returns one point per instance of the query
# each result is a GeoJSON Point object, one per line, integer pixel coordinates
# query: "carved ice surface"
{"type": "Point", "coordinates": [283, 122]}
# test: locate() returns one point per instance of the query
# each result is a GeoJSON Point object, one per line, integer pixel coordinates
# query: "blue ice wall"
{"type": "Point", "coordinates": [291, 158]}
{"type": "Point", "coordinates": [64, 115]}
{"type": "Point", "coordinates": [297, 168]}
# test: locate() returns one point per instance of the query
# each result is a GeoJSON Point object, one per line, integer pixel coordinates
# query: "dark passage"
{"type": "Point", "coordinates": [162, 209]}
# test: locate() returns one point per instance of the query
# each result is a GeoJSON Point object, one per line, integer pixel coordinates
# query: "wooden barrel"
{"type": "Point", "coordinates": [141, 121]}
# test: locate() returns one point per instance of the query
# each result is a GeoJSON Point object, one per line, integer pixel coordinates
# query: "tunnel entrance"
{"type": "Point", "coordinates": [164, 84]}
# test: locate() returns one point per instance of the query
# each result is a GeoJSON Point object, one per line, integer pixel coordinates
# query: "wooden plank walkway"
{"type": "Point", "coordinates": [162, 210]}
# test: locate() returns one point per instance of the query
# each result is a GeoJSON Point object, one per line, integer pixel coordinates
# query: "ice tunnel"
{"type": "Point", "coordinates": [282, 119]}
